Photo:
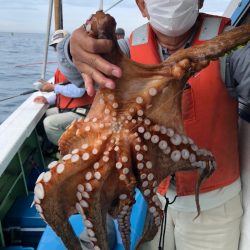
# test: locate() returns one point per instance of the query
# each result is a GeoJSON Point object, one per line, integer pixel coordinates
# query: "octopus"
{"type": "Point", "coordinates": [133, 137]}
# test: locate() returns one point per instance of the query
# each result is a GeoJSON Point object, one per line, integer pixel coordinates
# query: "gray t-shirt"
{"type": "Point", "coordinates": [237, 78]}
{"type": "Point", "coordinates": [66, 65]}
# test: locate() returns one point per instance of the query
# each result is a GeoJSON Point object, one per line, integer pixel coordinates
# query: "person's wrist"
{"type": "Point", "coordinates": [57, 88]}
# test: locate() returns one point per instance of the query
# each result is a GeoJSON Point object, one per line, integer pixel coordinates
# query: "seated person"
{"type": "Point", "coordinates": [120, 33]}
{"type": "Point", "coordinates": [71, 102]}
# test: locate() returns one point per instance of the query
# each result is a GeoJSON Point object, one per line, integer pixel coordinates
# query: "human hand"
{"type": "Point", "coordinates": [93, 68]}
{"type": "Point", "coordinates": [47, 87]}
{"type": "Point", "coordinates": [41, 99]}
{"type": "Point", "coordinates": [43, 81]}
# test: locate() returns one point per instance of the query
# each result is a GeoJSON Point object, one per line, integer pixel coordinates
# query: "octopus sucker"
{"type": "Point", "coordinates": [133, 137]}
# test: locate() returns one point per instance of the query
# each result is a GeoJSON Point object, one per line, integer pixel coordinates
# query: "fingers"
{"type": "Point", "coordinates": [95, 76]}
{"type": "Point", "coordinates": [89, 84]}
{"type": "Point", "coordinates": [84, 51]}
{"type": "Point", "coordinates": [96, 62]}
{"type": "Point", "coordinates": [47, 87]}
{"type": "Point", "coordinates": [92, 75]}
{"type": "Point", "coordinates": [42, 81]}
{"type": "Point", "coordinates": [40, 99]}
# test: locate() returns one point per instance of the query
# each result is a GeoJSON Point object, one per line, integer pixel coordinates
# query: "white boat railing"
{"type": "Point", "coordinates": [17, 127]}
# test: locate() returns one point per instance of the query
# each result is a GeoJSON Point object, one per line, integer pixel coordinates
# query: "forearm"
{"type": "Point", "coordinates": [69, 90]}
{"type": "Point", "coordinates": [66, 65]}
{"type": "Point", "coordinates": [51, 99]}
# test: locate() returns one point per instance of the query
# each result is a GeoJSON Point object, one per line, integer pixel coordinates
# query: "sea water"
{"type": "Point", "coordinates": [21, 58]}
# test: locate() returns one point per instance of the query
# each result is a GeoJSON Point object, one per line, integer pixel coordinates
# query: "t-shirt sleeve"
{"type": "Point", "coordinates": [237, 76]}
{"type": "Point", "coordinates": [66, 65]}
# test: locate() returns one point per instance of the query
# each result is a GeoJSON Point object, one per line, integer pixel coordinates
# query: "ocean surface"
{"type": "Point", "coordinates": [21, 58]}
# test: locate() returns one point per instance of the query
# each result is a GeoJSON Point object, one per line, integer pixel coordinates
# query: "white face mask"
{"type": "Point", "coordinates": [172, 17]}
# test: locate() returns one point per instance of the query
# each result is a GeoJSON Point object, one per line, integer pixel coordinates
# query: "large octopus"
{"type": "Point", "coordinates": [133, 137]}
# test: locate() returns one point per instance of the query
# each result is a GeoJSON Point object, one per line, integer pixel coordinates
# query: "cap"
{"type": "Point", "coordinates": [120, 31]}
{"type": "Point", "coordinates": [57, 37]}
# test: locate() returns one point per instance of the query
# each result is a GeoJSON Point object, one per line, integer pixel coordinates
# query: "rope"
{"type": "Point", "coordinates": [112, 6]}
{"type": "Point", "coordinates": [164, 223]}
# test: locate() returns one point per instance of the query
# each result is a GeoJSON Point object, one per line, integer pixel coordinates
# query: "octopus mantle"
{"type": "Point", "coordinates": [132, 138]}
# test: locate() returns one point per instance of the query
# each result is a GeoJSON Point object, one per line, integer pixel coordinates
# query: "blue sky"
{"type": "Point", "coordinates": [31, 16]}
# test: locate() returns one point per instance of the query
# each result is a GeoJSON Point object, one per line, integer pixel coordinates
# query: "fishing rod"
{"type": "Point", "coordinates": [112, 6]}
{"type": "Point", "coordinates": [32, 64]}
{"type": "Point", "coordinates": [23, 93]}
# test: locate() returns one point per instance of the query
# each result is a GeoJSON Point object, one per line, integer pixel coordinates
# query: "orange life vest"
{"type": "Point", "coordinates": [209, 113]}
{"type": "Point", "coordinates": [64, 102]}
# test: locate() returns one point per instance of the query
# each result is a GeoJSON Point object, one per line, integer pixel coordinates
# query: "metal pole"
{"type": "Point", "coordinates": [47, 39]}
{"type": "Point", "coordinates": [58, 14]}
{"type": "Point", "coordinates": [101, 5]}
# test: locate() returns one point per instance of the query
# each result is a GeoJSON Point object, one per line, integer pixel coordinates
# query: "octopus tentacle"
{"type": "Point", "coordinates": [123, 217]}
{"type": "Point", "coordinates": [89, 199]}
{"type": "Point", "coordinates": [92, 215]}
{"type": "Point", "coordinates": [127, 187]}
{"type": "Point", "coordinates": [147, 184]}
{"type": "Point", "coordinates": [183, 150]}
{"type": "Point", "coordinates": [50, 191]}
{"type": "Point", "coordinates": [66, 140]}
{"type": "Point", "coordinates": [178, 146]}
{"type": "Point", "coordinates": [147, 180]}
{"type": "Point", "coordinates": [69, 168]}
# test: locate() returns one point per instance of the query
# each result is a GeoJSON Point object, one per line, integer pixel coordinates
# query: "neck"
{"type": "Point", "coordinates": [172, 43]}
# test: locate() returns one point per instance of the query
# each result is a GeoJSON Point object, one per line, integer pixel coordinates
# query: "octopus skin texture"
{"type": "Point", "coordinates": [133, 137]}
